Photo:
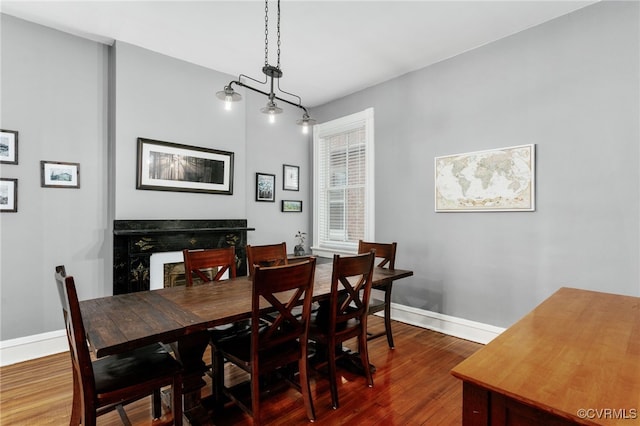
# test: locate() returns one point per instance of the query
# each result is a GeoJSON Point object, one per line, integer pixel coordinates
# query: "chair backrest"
{"type": "Point", "coordinates": [350, 290]}
{"type": "Point", "coordinates": [199, 261]}
{"type": "Point", "coordinates": [80, 357]}
{"type": "Point", "coordinates": [266, 255]}
{"type": "Point", "coordinates": [279, 289]}
{"type": "Point", "coordinates": [384, 251]}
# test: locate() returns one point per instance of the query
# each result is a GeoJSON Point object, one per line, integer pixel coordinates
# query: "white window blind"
{"type": "Point", "coordinates": [343, 183]}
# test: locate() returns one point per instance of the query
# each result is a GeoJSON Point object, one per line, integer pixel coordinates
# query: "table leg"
{"type": "Point", "coordinates": [189, 350]}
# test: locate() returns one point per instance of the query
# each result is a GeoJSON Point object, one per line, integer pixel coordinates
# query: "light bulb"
{"type": "Point", "coordinates": [305, 122]}
{"type": "Point", "coordinates": [272, 118]}
{"type": "Point", "coordinates": [227, 102]}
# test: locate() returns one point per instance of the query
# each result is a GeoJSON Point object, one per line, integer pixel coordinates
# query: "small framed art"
{"type": "Point", "coordinates": [57, 174]}
{"type": "Point", "coordinates": [290, 177]}
{"type": "Point", "coordinates": [8, 147]}
{"type": "Point", "coordinates": [8, 195]}
{"type": "Point", "coordinates": [265, 187]}
{"type": "Point", "coordinates": [291, 206]}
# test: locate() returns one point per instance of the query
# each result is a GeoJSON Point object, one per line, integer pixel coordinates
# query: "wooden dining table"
{"type": "Point", "coordinates": [181, 316]}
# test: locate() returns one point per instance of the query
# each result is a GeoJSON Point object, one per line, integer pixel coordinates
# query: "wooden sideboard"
{"type": "Point", "coordinates": [575, 359]}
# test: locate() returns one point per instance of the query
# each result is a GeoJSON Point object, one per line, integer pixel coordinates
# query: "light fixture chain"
{"type": "Point", "coordinates": [266, 32]}
{"type": "Point", "coordinates": [278, 34]}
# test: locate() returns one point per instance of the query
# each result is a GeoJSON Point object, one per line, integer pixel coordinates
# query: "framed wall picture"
{"type": "Point", "coordinates": [57, 174]}
{"type": "Point", "coordinates": [501, 179]}
{"type": "Point", "coordinates": [8, 147]}
{"type": "Point", "coordinates": [291, 206]}
{"type": "Point", "coordinates": [8, 195]}
{"type": "Point", "coordinates": [168, 166]}
{"type": "Point", "coordinates": [265, 187]}
{"type": "Point", "coordinates": [290, 177]}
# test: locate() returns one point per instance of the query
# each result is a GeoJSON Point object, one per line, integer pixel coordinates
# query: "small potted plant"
{"type": "Point", "coordinates": [298, 250]}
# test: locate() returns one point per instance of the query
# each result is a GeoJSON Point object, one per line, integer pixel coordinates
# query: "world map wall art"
{"type": "Point", "coordinates": [500, 179]}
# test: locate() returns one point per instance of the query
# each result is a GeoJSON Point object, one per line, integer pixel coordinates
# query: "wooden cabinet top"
{"type": "Point", "coordinates": [576, 355]}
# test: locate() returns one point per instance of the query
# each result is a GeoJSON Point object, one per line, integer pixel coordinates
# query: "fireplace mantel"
{"type": "Point", "coordinates": [134, 232]}
{"type": "Point", "coordinates": [134, 241]}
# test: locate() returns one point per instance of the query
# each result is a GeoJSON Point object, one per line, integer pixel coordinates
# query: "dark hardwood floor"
{"type": "Point", "coordinates": [412, 386]}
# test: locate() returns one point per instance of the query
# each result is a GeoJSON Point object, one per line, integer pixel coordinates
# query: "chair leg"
{"type": "Point", "coordinates": [89, 416]}
{"type": "Point", "coordinates": [333, 375]}
{"type": "Point", "coordinates": [305, 386]}
{"type": "Point", "coordinates": [364, 357]}
{"type": "Point", "coordinates": [387, 315]}
{"type": "Point", "coordinates": [176, 393]}
{"type": "Point", "coordinates": [255, 397]}
{"type": "Point", "coordinates": [156, 404]}
{"type": "Point", "coordinates": [76, 405]}
{"type": "Point", "coordinates": [213, 368]}
{"type": "Point", "coordinates": [218, 378]}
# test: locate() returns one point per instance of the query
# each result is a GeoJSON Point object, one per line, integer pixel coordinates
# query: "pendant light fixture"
{"type": "Point", "coordinates": [272, 78]}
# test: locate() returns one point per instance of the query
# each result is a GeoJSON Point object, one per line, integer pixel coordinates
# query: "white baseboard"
{"type": "Point", "coordinates": [26, 348]}
{"type": "Point", "coordinates": [453, 326]}
{"type": "Point", "coordinates": [39, 345]}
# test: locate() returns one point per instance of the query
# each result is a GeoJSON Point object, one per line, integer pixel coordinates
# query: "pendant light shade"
{"type": "Point", "coordinates": [305, 122]}
{"type": "Point", "coordinates": [228, 95]}
{"type": "Point", "coordinates": [271, 108]}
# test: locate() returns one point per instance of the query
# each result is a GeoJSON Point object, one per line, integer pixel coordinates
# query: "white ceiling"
{"type": "Point", "coordinates": [329, 48]}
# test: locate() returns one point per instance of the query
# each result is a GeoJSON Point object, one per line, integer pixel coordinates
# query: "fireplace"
{"type": "Point", "coordinates": [166, 269]}
{"type": "Point", "coordinates": [134, 241]}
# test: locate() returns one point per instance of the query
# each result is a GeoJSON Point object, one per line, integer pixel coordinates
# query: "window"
{"type": "Point", "coordinates": [343, 183]}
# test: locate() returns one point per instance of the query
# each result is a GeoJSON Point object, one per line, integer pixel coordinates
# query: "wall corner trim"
{"type": "Point", "coordinates": [27, 348]}
{"type": "Point", "coordinates": [453, 326]}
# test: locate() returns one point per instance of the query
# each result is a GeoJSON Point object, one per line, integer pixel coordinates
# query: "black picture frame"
{"type": "Point", "coordinates": [59, 174]}
{"type": "Point", "coordinates": [265, 187]}
{"type": "Point", "coordinates": [290, 177]}
{"type": "Point", "coordinates": [291, 206]}
{"type": "Point", "coordinates": [8, 146]}
{"type": "Point", "coordinates": [8, 195]}
{"type": "Point", "coordinates": [169, 166]}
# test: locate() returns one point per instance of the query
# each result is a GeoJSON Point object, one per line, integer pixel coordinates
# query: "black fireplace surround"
{"type": "Point", "coordinates": [135, 240]}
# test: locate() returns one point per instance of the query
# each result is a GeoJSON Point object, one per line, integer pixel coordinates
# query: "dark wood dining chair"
{"type": "Point", "coordinates": [270, 346]}
{"type": "Point", "coordinates": [386, 253]}
{"type": "Point", "coordinates": [344, 317]}
{"type": "Point", "coordinates": [209, 264]}
{"type": "Point", "coordinates": [266, 255]}
{"type": "Point", "coordinates": [111, 382]}
{"type": "Point", "coordinates": [270, 255]}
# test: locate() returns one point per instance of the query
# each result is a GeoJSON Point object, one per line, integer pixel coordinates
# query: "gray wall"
{"type": "Point", "coordinates": [571, 87]}
{"type": "Point", "coordinates": [158, 97]}
{"type": "Point", "coordinates": [54, 94]}
{"type": "Point", "coordinates": [80, 101]}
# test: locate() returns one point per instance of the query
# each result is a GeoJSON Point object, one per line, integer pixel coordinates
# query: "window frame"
{"type": "Point", "coordinates": [364, 119]}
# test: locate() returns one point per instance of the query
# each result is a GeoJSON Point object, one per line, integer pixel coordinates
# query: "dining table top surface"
{"type": "Point", "coordinates": [123, 322]}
